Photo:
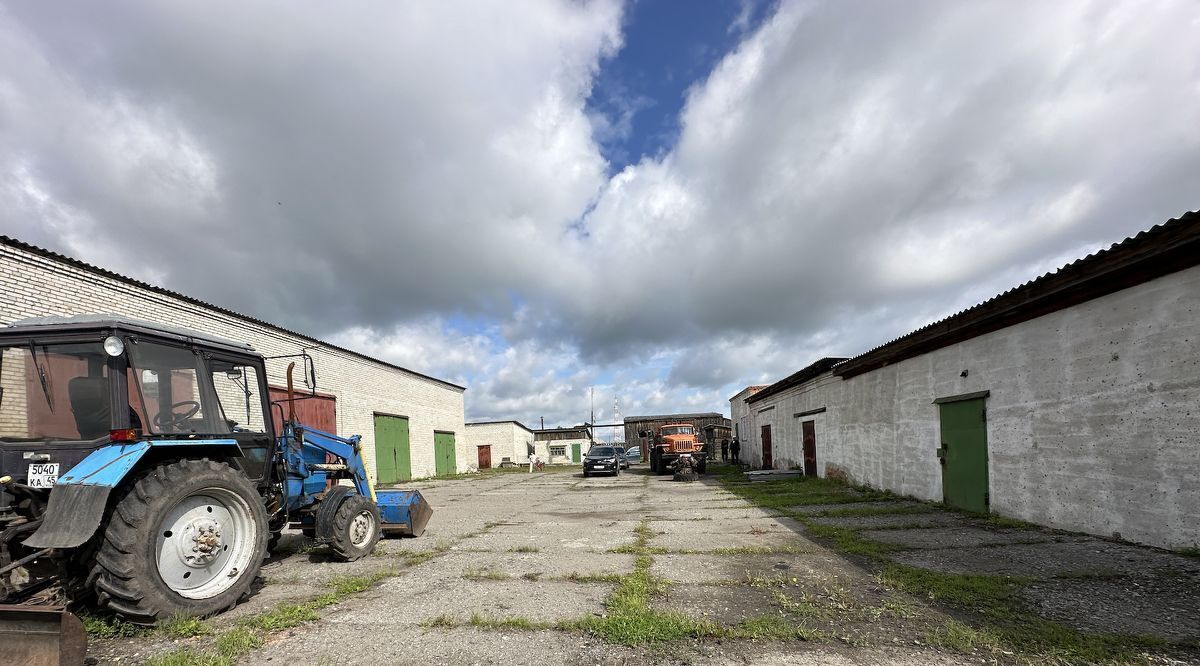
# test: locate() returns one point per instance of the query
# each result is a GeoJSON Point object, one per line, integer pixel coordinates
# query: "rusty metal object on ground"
{"type": "Point", "coordinates": [41, 636]}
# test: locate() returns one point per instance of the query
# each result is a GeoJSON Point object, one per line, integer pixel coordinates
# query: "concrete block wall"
{"type": "Point", "coordinates": [1092, 416]}
{"type": "Point", "coordinates": [32, 285]}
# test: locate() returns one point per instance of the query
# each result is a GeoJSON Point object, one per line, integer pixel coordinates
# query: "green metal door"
{"type": "Point", "coordinates": [575, 453]}
{"type": "Point", "coordinates": [392, 463]}
{"type": "Point", "coordinates": [964, 454]}
{"type": "Point", "coordinates": [444, 460]}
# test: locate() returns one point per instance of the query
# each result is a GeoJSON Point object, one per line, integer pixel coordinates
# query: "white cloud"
{"type": "Point", "coordinates": [380, 172]}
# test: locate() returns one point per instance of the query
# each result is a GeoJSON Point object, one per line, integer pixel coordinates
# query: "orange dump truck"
{"type": "Point", "coordinates": [673, 441]}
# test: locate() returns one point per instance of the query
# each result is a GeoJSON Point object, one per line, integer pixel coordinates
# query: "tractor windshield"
{"type": "Point", "coordinates": [54, 392]}
{"type": "Point", "coordinates": [173, 393]}
{"type": "Point", "coordinates": [677, 430]}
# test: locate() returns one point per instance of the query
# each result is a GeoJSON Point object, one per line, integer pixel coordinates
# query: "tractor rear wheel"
{"type": "Point", "coordinates": [356, 528]}
{"type": "Point", "coordinates": [186, 539]}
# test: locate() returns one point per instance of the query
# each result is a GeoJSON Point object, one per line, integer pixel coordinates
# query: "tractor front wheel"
{"type": "Point", "coordinates": [356, 528]}
{"type": "Point", "coordinates": [186, 539]}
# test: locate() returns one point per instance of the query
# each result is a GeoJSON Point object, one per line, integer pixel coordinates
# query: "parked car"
{"type": "Point", "coordinates": [622, 457]}
{"type": "Point", "coordinates": [634, 454]}
{"type": "Point", "coordinates": [601, 459]}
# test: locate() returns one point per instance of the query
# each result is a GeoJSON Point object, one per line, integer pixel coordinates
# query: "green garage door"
{"type": "Point", "coordinates": [575, 453]}
{"type": "Point", "coordinates": [964, 454]}
{"type": "Point", "coordinates": [392, 462]}
{"type": "Point", "coordinates": [444, 460]}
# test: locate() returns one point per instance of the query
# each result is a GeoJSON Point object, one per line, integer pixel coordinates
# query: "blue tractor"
{"type": "Point", "coordinates": [144, 469]}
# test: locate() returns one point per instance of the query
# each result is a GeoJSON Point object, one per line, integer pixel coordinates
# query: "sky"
{"type": "Point", "coordinates": [655, 202]}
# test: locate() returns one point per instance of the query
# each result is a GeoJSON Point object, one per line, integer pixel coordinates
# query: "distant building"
{"type": "Point", "coordinates": [635, 425]}
{"type": "Point", "coordinates": [563, 446]}
{"type": "Point", "coordinates": [498, 442]}
{"type": "Point", "coordinates": [1069, 401]}
{"type": "Point", "coordinates": [739, 413]}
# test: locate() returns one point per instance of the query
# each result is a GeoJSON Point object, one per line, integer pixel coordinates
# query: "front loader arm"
{"type": "Point", "coordinates": [348, 450]}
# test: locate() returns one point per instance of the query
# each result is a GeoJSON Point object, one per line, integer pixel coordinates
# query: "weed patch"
{"type": "Point", "coordinates": [107, 625]}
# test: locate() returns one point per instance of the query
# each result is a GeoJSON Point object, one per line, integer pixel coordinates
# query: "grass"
{"type": "Point", "coordinates": [772, 627]}
{"type": "Point", "coordinates": [993, 616]}
{"type": "Point", "coordinates": [184, 627]}
{"type": "Point", "coordinates": [106, 625]}
{"type": "Point", "coordinates": [955, 635]}
{"type": "Point", "coordinates": [250, 633]}
{"type": "Point", "coordinates": [1004, 624]}
{"type": "Point", "coordinates": [849, 541]}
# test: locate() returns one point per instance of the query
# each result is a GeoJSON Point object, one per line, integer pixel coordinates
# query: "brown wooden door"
{"type": "Point", "coordinates": [810, 448]}
{"type": "Point", "coordinates": [485, 456]}
{"type": "Point", "coordinates": [767, 463]}
{"type": "Point", "coordinates": [318, 412]}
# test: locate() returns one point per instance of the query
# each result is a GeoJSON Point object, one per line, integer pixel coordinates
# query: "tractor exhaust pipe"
{"type": "Point", "coordinates": [41, 636]}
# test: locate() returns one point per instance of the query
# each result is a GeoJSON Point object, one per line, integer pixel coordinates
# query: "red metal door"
{"type": "Point", "coordinates": [810, 448]}
{"type": "Point", "coordinates": [766, 447]}
{"type": "Point", "coordinates": [485, 456]}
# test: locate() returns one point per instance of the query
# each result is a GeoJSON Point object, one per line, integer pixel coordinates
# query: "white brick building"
{"type": "Point", "coordinates": [1070, 401]}
{"type": "Point", "coordinates": [503, 439]}
{"type": "Point", "coordinates": [361, 393]}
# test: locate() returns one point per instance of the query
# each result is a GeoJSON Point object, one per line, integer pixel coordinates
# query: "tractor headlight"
{"type": "Point", "coordinates": [114, 346]}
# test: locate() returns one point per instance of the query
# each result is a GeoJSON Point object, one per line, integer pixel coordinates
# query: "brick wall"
{"type": "Point", "coordinates": [32, 285]}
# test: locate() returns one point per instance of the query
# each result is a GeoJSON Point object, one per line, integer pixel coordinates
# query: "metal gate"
{"type": "Point", "coordinates": [576, 454]}
{"type": "Point", "coordinates": [767, 463]}
{"type": "Point", "coordinates": [485, 456]}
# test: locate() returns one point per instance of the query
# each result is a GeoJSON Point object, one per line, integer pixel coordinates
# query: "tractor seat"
{"type": "Point", "coordinates": [91, 405]}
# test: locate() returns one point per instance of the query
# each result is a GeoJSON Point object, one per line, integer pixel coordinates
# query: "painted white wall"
{"type": "Point", "coordinates": [33, 286]}
{"type": "Point", "coordinates": [1092, 420]}
{"type": "Point", "coordinates": [506, 439]}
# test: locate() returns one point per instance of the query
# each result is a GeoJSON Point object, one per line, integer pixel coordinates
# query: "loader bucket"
{"type": "Point", "coordinates": [41, 636]}
{"type": "Point", "coordinates": [404, 512]}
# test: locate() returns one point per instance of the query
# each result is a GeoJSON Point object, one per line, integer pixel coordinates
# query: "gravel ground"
{"type": "Point", "coordinates": [539, 548]}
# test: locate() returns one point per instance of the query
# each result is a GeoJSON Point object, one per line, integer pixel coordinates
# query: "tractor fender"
{"type": "Point", "coordinates": [79, 497]}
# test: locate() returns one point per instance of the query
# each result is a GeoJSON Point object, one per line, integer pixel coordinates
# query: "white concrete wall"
{"type": "Point", "coordinates": [1092, 419]}
{"type": "Point", "coordinates": [543, 450]}
{"type": "Point", "coordinates": [742, 415]}
{"type": "Point", "coordinates": [34, 286]}
{"type": "Point", "coordinates": [506, 439]}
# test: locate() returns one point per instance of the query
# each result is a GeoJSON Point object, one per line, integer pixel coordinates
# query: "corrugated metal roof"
{"type": "Point", "coordinates": [1161, 250]}
{"type": "Point", "coordinates": [516, 423]}
{"type": "Point", "coordinates": [663, 417]}
{"type": "Point", "coordinates": [795, 379]}
{"type": "Point", "coordinates": [49, 254]}
{"type": "Point", "coordinates": [756, 387]}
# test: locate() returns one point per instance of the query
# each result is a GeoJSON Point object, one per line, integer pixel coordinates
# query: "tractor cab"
{"type": "Point", "coordinates": [70, 385]}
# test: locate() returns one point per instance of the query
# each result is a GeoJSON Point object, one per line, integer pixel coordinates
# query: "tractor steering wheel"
{"type": "Point", "coordinates": [175, 419]}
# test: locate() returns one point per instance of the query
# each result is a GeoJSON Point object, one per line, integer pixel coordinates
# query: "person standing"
{"type": "Point", "coordinates": [734, 449]}
{"type": "Point", "coordinates": [725, 450]}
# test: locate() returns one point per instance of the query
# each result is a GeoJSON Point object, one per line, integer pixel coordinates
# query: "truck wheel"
{"type": "Point", "coordinates": [187, 539]}
{"type": "Point", "coordinates": [702, 465]}
{"type": "Point", "coordinates": [654, 460]}
{"type": "Point", "coordinates": [355, 528]}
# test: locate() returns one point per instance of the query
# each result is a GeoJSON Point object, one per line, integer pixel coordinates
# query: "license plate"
{"type": "Point", "coordinates": [42, 475]}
